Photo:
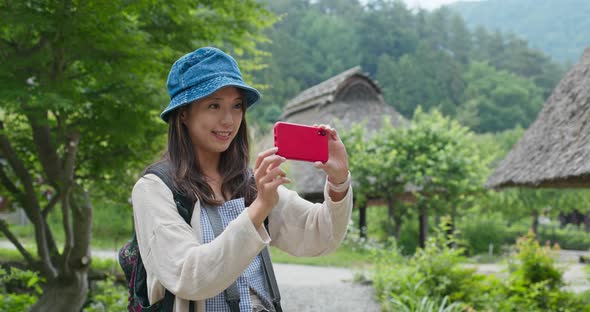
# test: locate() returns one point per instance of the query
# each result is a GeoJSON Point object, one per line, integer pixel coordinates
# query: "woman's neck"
{"type": "Point", "coordinates": [209, 163]}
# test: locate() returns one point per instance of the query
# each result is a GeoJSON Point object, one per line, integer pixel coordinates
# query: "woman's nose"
{"type": "Point", "coordinates": [227, 118]}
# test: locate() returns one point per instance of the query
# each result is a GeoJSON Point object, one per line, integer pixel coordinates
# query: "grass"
{"type": "Point", "coordinates": [341, 257]}
{"type": "Point", "coordinates": [12, 255]}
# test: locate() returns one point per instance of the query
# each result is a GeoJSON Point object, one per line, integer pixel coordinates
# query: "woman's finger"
{"type": "Point", "coordinates": [278, 182]}
{"type": "Point", "coordinates": [331, 131]}
{"type": "Point", "coordinates": [262, 155]}
{"type": "Point", "coordinates": [272, 175]}
{"type": "Point", "coordinates": [319, 165]}
{"type": "Point", "coordinates": [263, 168]}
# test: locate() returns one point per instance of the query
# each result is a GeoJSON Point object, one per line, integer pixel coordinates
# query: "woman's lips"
{"type": "Point", "coordinates": [222, 135]}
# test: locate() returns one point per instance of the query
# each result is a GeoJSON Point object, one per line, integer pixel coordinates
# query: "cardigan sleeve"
{"type": "Point", "coordinates": [171, 250]}
{"type": "Point", "coordinates": [302, 228]}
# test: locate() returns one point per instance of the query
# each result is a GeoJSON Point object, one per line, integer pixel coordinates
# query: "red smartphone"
{"type": "Point", "coordinates": [301, 142]}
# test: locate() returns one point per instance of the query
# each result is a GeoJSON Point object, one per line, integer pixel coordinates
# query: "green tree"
{"type": "Point", "coordinates": [441, 163]}
{"type": "Point", "coordinates": [428, 78]}
{"type": "Point", "coordinates": [499, 99]}
{"type": "Point", "coordinates": [374, 159]}
{"type": "Point", "coordinates": [387, 27]}
{"type": "Point", "coordinates": [533, 20]}
{"type": "Point", "coordinates": [310, 43]}
{"type": "Point", "coordinates": [82, 84]}
{"type": "Point", "coordinates": [460, 41]}
{"type": "Point", "coordinates": [433, 157]}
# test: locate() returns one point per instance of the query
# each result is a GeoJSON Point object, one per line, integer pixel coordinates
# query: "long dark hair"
{"type": "Point", "coordinates": [237, 178]}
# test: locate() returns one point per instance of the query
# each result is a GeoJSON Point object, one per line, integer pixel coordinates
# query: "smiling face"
{"type": "Point", "coordinates": [214, 121]}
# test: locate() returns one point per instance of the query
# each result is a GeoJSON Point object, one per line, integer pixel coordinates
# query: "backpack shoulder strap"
{"type": "Point", "coordinates": [185, 208]}
{"type": "Point", "coordinates": [184, 205]}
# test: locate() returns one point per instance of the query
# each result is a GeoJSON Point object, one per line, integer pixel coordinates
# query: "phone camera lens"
{"type": "Point", "coordinates": [322, 132]}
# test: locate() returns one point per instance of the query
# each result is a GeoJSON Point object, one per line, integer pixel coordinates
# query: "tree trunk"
{"type": "Point", "coordinates": [390, 215]}
{"type": "Point", "coordinates": [64, 294]}
{"type": "Point", "coordinates": [451, 228]}
{"type": "Point", "coordinates": [423, 220]}
{"type": "Point", "coordinates": [535, 223]}
{"type": "Point", "coordinates": [398, 224]}
{"type": "Point", "coordinates": [363, 220]}
{"type": "Point", "coordinates": [68, 291]}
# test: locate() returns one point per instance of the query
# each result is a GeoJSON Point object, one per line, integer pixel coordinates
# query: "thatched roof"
{"type": "Point", "coordinates": [341, 101]}
{"type": "Point", "coordinates": [555, 150]}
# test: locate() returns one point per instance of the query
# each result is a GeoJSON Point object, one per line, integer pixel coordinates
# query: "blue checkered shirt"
{"type": "Point", "coordinates": [252, 278]}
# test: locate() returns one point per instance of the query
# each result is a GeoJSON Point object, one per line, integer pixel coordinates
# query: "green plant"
{"type": "Point", "coordinates": [535, 264]}
{"type": "Point", "coordinates": [480, 231]}
{"type": "Point", "coordinates": [17, 280]}
{"type": "Point", "coordinates": [427, 304]}
{"type": "Point", "coordinates": [535, 281]}
{"type": "Point", "coordinates": [569, 237]}
{"type": "Point", "coordinates": [112, 232]}
{"type": "Point", "coordinates": [107, 296]}
{"type": "Point", "coordinates": [19, 289]}
{"type": "Point", "coordinates": [433, 272]}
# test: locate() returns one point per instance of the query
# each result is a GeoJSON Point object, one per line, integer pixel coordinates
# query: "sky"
{"type": "Point", "coordinates": [430, 4]}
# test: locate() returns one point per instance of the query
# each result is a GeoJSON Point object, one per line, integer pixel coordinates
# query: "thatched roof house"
{"type": "Point", "coordinates": [555, 150]}
{"type": "Point", "coordinates": [343, 100]}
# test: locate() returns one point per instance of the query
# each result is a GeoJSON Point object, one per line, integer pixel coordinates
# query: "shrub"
{"type": "Point", "coordinates": [535, 281]}
{"type": "Point", "coordinates": [433, 272]}
{"type": "Point", "coordinates": [423, 281]}
{"type": "Point", "coordinates": [112, 232]}
{"type": "Point", "coordinates": [107, 296]}
{"type": "Point", "coordinates": [19, 289]}
{"type": "Point", "coordinates": [427, 305]}
{"type": "Point", "coordinates": [569, 237]}
{"type": "Point", "coordinates": [408, 237]}
{"type": "Point", "coordinates": [478, 232]}
{"type": "Point", "coordinates": [535, 263]}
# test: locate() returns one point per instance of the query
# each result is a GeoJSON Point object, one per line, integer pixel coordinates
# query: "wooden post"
{"type": "Point", "coordinates": [363, 220]}
{"type": "Point", "coordinates": [423, 220]}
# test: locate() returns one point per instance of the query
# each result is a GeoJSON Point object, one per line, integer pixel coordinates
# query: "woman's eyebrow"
{"type": "Point", "coordinates": [221, 98]}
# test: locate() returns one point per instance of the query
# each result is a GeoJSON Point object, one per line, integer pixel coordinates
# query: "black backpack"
{"type": "Point", "coordinates": [130, 259]}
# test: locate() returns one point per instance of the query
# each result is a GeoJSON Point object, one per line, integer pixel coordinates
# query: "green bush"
{"type": "Point", "coordinates": [107, 296]}
{"type": "Point", "coordinates": [421, 282]}
{"type": "Point", "coordinates": [434, 272]}
{"type": "Point", "coordinates": [408, 237]}
{"type": "Point", "coordinates": [19, 289]}
{"type": "Point", "coordinates": [112, 224]}
{"type": "Point", "coordinates": [569, 237]}
{"type": "Point", "coordinates": [535, 281]}
{"type": "Point", "coordinates": [535, 264]}
{"type": "Point", "coordinates": [478, 232]}
{"type": "Point", "coordinates": [427, 305]}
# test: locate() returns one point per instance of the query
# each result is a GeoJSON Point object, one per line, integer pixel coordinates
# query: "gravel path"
{"type": "Point", "coordinates": [322, 289]}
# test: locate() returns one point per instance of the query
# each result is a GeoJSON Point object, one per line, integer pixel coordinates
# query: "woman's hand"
{"type": "Point", "coordinates": [337, 165]}
{"type": "Point", "coordinates": [268, 176]}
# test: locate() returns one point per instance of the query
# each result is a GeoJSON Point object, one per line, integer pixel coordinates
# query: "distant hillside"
{"type": "Point", "coordinates": [560, 28]}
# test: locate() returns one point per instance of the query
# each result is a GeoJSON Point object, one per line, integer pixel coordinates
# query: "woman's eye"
{"type": "Point", "coordinates": [239, 105]}
{"type": "Point", "coordinates": [214, 106]}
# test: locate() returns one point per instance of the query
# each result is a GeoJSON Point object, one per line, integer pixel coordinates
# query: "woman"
{"type": "Point", "coordinates": [208, 156]}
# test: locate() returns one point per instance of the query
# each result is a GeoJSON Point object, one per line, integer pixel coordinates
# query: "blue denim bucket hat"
{"type": "Point", "coordinates": [201, 73]}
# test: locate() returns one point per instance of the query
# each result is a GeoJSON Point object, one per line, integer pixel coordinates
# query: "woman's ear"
{"type": "Point", "coordinates": [183, 115]}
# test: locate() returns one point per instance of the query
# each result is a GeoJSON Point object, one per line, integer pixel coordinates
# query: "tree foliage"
{"type": "Point", "coordinates": [82, 84]}
{"type": "Point", "coordinates": [434, 158]}
{"type": "Point", "coordinates": [532, 20]}
{"type": "Point", "coordinates": [420, 58]}
{"type": "Point", "coordinates": [498, 100]}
